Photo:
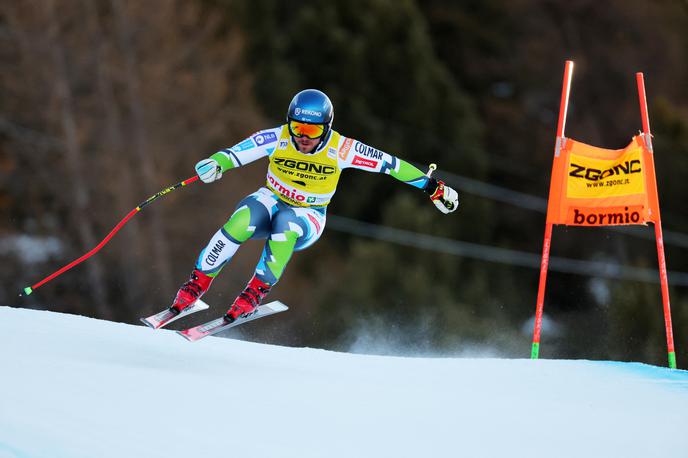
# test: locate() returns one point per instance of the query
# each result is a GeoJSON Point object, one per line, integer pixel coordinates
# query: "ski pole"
{"type": "Point", "coordinates": [29, 289]}
{"type": "Point", "coordinates": [431, 169]}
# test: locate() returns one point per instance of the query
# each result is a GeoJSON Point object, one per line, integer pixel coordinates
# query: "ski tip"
{"type": "Point", "coordinates": [27, 291]}
{"type": "Point", "coordinates": [145, 321]}
{"type": "Point", "coordinates": [187, 337]}
{"type": "Point", "coordinates": [276, 306]}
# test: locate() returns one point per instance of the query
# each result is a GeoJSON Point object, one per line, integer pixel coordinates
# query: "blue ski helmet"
{"type": "Point", "coordinates": [312, 106]}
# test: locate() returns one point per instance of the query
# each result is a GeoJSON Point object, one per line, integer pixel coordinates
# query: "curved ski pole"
{"type": "Point", "coordinates": [29, 289]}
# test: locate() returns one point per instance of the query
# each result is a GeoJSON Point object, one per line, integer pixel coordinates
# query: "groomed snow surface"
{"type": "Point", "coordinates": [79, 387]}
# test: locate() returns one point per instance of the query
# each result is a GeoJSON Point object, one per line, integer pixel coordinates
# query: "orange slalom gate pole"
{"type": "Point", "coordinates": [659, 238]}
{"type": "Point", "coordinates": [547, 243]}
{"type": "Point", "coordinates": [544, 265]}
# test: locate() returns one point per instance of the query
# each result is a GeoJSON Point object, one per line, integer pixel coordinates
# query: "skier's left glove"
{"type": "Point", "coordinates": [208, 170]}
{"type": "Point", "coordinates": [444, 197]}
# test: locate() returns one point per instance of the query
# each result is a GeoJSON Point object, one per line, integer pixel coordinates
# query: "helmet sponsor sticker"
{"type": "Point", "coordinates": [307, 112]}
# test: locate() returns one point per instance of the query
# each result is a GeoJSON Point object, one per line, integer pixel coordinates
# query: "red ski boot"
{"type": "Point", "coordinates": [248, 300]}
{"type": "Point", "coordinates": [191, 291]}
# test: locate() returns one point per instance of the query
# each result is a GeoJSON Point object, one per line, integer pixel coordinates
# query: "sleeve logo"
{"type": "Point", "coordinates": [344, 150]}
{"type": "Point", "coordinates": [369, 163]}
{"type": "Point", "coordinates": [264, 137]}
{"type": "Point", "coordinates": [367, 151]}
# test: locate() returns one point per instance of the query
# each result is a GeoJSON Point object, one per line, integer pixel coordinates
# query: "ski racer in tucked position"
{"type": "Point", "coordinates": [306, 158]}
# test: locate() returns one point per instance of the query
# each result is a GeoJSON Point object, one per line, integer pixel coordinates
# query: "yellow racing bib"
{"type": "Point", "coordinates": [304, 179]}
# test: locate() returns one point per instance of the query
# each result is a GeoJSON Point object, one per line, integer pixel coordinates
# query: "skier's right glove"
{"type": "Point", "coordinates": [208, 170]}
{"type": "Point", "coordinates": [444, 197]}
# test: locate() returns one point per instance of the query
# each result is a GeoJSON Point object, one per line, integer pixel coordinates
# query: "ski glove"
{"type": "Point", "coordinates": [208, 170]}
{"type": "Point", "coordinates": [444, 197]}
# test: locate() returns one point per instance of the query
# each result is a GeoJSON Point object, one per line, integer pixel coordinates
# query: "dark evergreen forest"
{"type": "Point", "coordinates": [105, 102]}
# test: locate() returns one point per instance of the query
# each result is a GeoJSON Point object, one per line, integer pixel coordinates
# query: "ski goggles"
{"type": "Point", "coordinates": [304, 129]}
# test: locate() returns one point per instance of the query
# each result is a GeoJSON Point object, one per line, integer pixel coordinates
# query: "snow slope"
{"type": "Point", "coordinates": [78, 387]}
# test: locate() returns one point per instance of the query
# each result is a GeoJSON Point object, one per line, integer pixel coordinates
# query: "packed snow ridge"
{"type": "Point", "coordinates": [77, 387]}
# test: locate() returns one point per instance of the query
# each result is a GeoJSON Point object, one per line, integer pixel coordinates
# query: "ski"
{"type": "Point", "coordinates": [167, 316]}
{"type": "Point", "coordinates": [220, 324]}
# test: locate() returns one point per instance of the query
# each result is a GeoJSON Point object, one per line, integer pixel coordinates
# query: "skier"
{"type": "Point", "coordinates": [306, 159]}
